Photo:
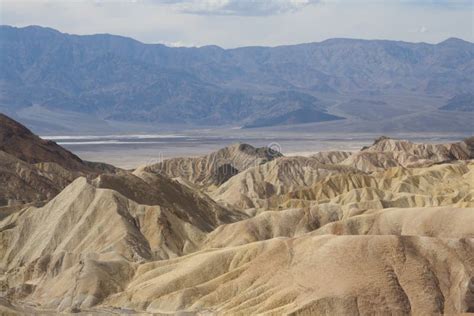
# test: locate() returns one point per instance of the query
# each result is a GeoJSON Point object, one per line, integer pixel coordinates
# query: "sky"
{"type": "Point", "coordinates": [236, 23]}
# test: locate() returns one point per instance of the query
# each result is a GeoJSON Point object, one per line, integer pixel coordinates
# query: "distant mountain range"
{"type": "Point", "coordinates": [107, 77]}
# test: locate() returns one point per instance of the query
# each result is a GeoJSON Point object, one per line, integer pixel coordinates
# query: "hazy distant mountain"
{"type": "Point", "coordinates": [117, 78]}
{"type": "Point", "coordinates": [462, 102]}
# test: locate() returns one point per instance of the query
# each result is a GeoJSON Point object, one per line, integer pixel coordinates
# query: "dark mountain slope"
{"type": "Point", "coordinates": [35, 170]}
{"type": "Point", "coordinates": [17, 140]}
{"type": "Point", "coordinates": [461, 102]}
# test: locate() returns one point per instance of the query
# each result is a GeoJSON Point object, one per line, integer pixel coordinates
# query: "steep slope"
{"type": "Point", "coordinates": [18, 141]}
{"type": "Point", "coordinates": [445, 222]}
{"type": "Point", "coordinates": [273, 224]}
{"type": "Point", "coordinates": [324, 219]}
{"type": "Point", "coordinates": [344, 196]}
{"type": "Point", "coordinates": [215, 168]}
{"type": "Point", "coordinates": [438, 152]}
{"type": "Point", "coordinates": [253, 187]}
{"type": "Point", "coordinates": [331, 157]}
{"type": "Point", "coordinates": [83, 205]}
{"type": "Point", "coordinates": [154, 189]}
{"type": "Point", "coordinates": [93, 232]}
{"type": "Point", "coordinates": [35, 170]}
{"type": "Point", "coordinates": [386, 153]}
{"type": "Point", "coordinates": [25, 183]}
{"type": "Point", "coordinates": [367, 274]}
{"type": "Point", "coordinates": [446, 184]}
{"type": "Point", "coordinates": [333, 173]}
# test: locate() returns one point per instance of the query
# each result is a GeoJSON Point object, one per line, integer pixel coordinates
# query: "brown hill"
{"type": "Point", "coordinates": [26, 183]}
{"type": "Point", "coordinates": [18, 141]}
{"type": "Point", "coordinates": [35, 170]}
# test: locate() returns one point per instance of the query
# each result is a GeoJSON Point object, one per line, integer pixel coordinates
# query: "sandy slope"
{"type": "Point", "coordinates": [386, 152]}
{"type": "Point", "coordinates": [311, 275]}
{"type": "Point", "coordinates": [253, 187]}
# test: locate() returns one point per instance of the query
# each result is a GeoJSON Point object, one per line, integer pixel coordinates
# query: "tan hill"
{"type": "Point", "coordinates": [215, 168]}
{"type": "Point", "coordinates": [157, 203]}
{"type": "Point", "coordinates": [93, 220]}
{"type": "Point", "coordinates": [264, 185]}
{"type": "Point", "coordinates": [344, 196]}
{"type": "Point", "coordinates": [155, 189]}
{"type": "Point", "coordinates": [331, 157]}
{"type": "Point", "coordinates": [387, 152]}
{"type": "Point", "coordinates": [444, 222]}
{"type": "Point", "coordinates": [293, 235]}
{"type": "Point", "coordinates": [438, 152]}
{"type": "Point", "coordinates": [311, 275]}
{"type": "Point", "coordinates": [253, 187]}
{"type": "Point", "coordinates": [447, 184]}
{"type": "Point", "coordinates": [280, 275]}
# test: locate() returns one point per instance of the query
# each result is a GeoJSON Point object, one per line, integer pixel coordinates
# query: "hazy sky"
{"type": "Point", "coordinates": [233, 23]}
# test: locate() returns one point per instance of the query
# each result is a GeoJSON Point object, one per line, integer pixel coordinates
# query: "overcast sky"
{"type": "Point", "coordinates": [234, 23]}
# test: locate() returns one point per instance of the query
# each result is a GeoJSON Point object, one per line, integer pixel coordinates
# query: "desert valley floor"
{"type": "Point", "coordinates": [137, 149]}
{"type": "Point", "coordinates": [386, 229]}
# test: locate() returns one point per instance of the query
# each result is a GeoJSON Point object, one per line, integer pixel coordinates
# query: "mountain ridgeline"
{"type": "Point", "coordinates": [116, 78]}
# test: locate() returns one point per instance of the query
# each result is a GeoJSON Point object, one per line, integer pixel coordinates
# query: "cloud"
{"type": "Point", "coordinates": [238, 7]}
{"type": "Point", "coordinates": [178, 44]}
{"type": "Point", "coordinates": [444, 4]}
